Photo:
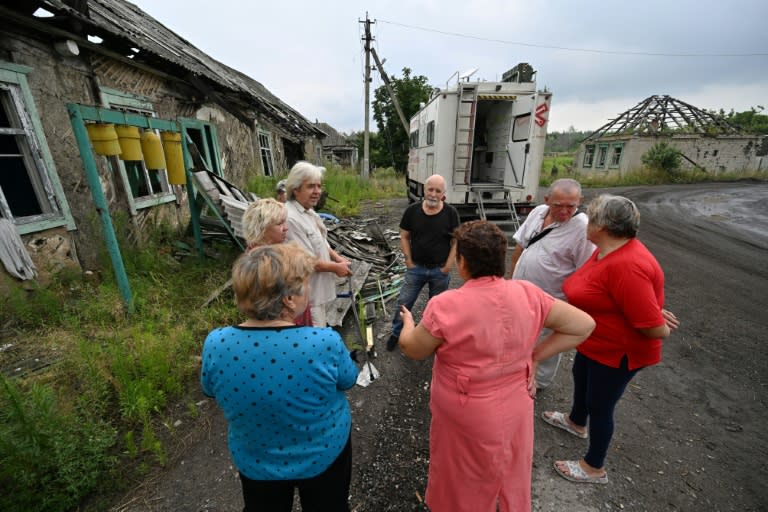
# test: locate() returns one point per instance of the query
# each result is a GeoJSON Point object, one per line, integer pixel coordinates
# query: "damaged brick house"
{"type": "Point", "coordinates": [337, 148]}
{"type": "Point", "coordinates": [110, 54]}
{"type": "Point", "coordinates": [705, 140]}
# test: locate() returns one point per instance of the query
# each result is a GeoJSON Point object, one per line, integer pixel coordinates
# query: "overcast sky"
{"type": "Point", "coordinates": [598, 58]}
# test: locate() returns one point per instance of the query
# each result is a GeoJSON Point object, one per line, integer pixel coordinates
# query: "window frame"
{"type": "Point", "coordinates": [589, 155]}
{"type": "Point", "coordinates": [521, 127]}
{"type": "Point", "coordinates": [265, 153]}
{"type": "Point", "coordinates": [614, 162]}
{"type": "Point", "coordinates": [413, 139]}
{"type": "Point", "coordinates": [602, 155]}
{"type": "Point", "coordinates": [119, 100]}
{"type": "Point", "coordinates": [430, 133]}
{"type": "Point", "coordinates": [45, 180]}
{"type": "Point", "coordinates": [209, 151]}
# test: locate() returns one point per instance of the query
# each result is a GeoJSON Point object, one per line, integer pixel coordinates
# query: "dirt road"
{"type": "Point", "coordinates": [688, 431]}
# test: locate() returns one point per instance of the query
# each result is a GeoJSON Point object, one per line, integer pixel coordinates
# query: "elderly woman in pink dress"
{"type": "Point", "coordinates": [484, 336]}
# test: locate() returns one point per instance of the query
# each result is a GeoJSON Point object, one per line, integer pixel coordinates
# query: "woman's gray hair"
{"type": "Point", "coordinates": [616, 214]}
{"type": "Point", "coordinates": [259, 216]}
{"type": "Point", "coordinates": [266, 275]}
{"type": "Point", "coordinates": [301, 172]}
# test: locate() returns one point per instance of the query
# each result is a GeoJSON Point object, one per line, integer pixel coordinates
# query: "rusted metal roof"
{"type": "Point", "coordinates": [127, 30]}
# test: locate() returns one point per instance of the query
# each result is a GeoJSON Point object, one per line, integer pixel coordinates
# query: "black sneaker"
{"type": "Point", "coordinates": [392, 343]}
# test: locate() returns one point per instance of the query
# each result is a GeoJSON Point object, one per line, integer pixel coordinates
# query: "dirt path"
{"type": "Point", "coordinates": [688, 431]}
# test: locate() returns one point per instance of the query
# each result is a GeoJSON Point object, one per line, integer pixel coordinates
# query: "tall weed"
{"type": "Point", "coordinates": [102, 403]}
{"type": "Point", "coordinates": [345, 188]}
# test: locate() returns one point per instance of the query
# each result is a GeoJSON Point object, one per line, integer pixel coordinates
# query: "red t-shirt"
{"type": "Point", "coordinates": [624, 291]}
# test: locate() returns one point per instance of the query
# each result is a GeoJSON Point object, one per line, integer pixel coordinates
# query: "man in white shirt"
{"type": "Point", "coordinates": [549, 246]}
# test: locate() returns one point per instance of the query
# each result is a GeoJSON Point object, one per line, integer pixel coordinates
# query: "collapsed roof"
{"type": "Point", "coordinates": [132, 36]}
{"type": "Point", "coordinates": [658, 115]}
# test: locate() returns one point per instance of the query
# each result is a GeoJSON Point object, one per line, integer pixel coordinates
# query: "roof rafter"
{"type": "Point", "coordinates": [657, 115]}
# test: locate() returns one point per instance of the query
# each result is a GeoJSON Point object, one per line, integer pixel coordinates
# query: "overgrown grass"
{"type": "Point", "coordinates": [101, 406]}
{"type": "Point", "coordinates": [102, 410]}
{"type": "Point", "coordinates": [642, 176]}
{"type": "Point", "coordinates": [346, 189]}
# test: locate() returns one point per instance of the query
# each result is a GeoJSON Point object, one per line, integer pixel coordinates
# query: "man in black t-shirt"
{"type": "Point", "coordinates": [427, 243]}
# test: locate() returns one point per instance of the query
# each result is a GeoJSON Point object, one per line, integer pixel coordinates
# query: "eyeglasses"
{"type": "Point", "coordinates": [564, 206]}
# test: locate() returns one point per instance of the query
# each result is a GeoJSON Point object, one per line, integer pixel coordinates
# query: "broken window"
{"type": "Point", "coordinates": [146, 187]}
{"type": "Point", "coordinates": [616, 155]}
{"type": "Point", "coordinates": [602, 155]}
{"type": "Point", "coordinates": [203, 136]}
{"type": "Point", "coordinates": [30, 193]}
{"type": "Point", "coordinates": [589, 155]}
{"type": "Point", "coordinates": [266, 153]}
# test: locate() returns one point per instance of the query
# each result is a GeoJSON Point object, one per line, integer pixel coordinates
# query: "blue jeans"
{"type": "Point", "coordinates": [415, 279]}
{"type": "Point", "coordinates": [596, 391]}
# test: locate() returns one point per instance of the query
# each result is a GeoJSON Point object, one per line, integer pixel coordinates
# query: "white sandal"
{"type": "Point", "coordinates": [558, 419]}
{"type": "Point", "coordinates": [577, 474]}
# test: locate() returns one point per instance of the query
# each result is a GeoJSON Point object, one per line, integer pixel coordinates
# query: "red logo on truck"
{"type": "Point", "coordinates": [541, 114]}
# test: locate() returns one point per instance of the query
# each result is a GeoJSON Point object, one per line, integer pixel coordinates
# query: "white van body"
{"type": "Point", "coordinates": [487, 140]}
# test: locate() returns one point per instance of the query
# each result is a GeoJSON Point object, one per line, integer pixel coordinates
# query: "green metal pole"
{"type": "Point", "coordinates": [92, 174]}
{"type": "Point", "coordinates": [193, 209]}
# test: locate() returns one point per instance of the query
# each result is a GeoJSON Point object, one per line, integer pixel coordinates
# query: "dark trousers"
{"type": "Point", "coordinates": [326, 492]}
{"type": "Point", "coordinates": [597, 389]}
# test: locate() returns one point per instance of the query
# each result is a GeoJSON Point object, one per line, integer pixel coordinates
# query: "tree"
{"type": "Point", "coordinates": [377, 156]}
{"type": "Point", "coordinates": [392, 145]}
{"type": "Point", "coordinates": [751, 121]}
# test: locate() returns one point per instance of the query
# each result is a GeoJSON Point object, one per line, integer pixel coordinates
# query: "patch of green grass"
{"type": "Point", "coordinates": [642, 176]}
{"type": "Point", "coordinates": [346, 189]}
{"type": "Point", "coordinates": [101, 406]}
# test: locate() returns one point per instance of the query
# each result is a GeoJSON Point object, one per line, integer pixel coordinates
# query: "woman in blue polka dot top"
{"type": "Point", "coordinates": [281, 388]}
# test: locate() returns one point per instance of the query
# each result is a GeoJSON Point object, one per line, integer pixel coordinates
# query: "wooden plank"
{"type": "Point", "coordinates": [205, 184]}
{"type": "Point", "coordinates": [338, 308]}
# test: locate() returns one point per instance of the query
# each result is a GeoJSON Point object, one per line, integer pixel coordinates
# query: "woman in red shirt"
{"type": "Point", "coordinates": [622, 287]}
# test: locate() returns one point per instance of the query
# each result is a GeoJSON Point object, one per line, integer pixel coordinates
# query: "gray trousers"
{"type": "Point", "coordinates": [547, 368]}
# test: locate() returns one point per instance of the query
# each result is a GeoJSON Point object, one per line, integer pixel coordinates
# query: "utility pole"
{"type": "Point", "coordinates": [391, 92]}
{"type": "Point", "coordinates": [366, 137]}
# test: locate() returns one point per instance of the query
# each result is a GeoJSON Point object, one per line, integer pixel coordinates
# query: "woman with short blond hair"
{"type": "Point", "coordinates": [264, 223]}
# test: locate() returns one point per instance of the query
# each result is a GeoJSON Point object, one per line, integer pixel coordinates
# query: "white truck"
{"type": "Point", "coordinates": [487, 140]}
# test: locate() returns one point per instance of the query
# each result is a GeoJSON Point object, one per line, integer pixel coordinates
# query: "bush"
{"type": "Point", "coordinates": [663, 157]}
{"type": "Point", "coordinates": [50, 457]}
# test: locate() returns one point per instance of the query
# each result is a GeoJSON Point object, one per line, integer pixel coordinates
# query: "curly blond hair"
{"type": "Point", "coordinates": [259, 216]}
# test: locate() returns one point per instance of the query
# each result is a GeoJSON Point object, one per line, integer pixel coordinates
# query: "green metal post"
{"type": "Point", "coordinates": [194, 211]}
{"type": "Point", "coordinates": [92, 174]}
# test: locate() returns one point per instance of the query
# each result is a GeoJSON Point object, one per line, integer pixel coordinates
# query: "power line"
{"type": "Point", "coordinates": [568, 49]}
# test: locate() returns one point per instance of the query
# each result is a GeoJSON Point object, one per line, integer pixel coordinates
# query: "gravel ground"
{"type": "Point", "coordinates": [688, 431]}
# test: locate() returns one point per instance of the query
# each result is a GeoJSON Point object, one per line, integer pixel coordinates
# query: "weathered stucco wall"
{"type": "Point", "coordinates": [714, 154]}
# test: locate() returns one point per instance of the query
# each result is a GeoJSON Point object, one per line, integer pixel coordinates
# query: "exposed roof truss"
{"type": "Point", "coordinates": [659, 115]}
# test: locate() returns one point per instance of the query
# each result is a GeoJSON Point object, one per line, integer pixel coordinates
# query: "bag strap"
{"type": "Point", "coordinates": [539, 236]}
{"type": "Point", "coordinates": [544, 233]}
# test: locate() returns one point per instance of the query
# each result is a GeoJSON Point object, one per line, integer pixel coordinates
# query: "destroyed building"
{"type": "Point", "coordinates": [111, 55]}
{"type": "Point", "coordinates": [706, 140]}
